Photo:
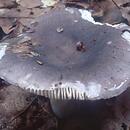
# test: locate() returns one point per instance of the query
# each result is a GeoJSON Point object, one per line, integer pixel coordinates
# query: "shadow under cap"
{"type": "Point", "coordinates": [64, 56]}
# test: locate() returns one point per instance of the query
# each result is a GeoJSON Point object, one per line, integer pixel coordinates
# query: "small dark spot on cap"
{"type": "Point", "coordinates": [60, 83]}
{"type": "Point", "coordinates": [56, 85]}
{"type": "Point", "coordinates": [114, 57]}
{"type": "Point", "coordinates": [112, 78]}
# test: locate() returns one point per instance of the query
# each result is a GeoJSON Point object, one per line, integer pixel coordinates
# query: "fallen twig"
{"type": "Point", "coordinates": [22, 112]}
{"type": "Point", "coordinates": [116, 4]}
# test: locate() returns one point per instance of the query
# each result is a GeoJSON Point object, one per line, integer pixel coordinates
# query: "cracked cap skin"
{"type": "Point", "coordinates": [64, 56]}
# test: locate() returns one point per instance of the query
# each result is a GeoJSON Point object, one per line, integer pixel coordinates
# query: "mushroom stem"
{"type": "Point", "coordinates": [70, 108]}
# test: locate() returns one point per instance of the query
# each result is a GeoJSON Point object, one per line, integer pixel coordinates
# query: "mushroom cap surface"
{"type": "Point", "coordinates": [64, 56]}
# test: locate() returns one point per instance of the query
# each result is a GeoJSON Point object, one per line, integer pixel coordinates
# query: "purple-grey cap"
{"type": "Point", "coordinates": [65, 56]}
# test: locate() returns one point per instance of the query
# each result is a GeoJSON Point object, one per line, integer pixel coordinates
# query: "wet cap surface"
{"type": "Point", "coordinates": [66, 56]}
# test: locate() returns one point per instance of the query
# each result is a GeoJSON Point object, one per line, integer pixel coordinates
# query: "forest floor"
{"type": "Point", "coordinates": [21, 110]}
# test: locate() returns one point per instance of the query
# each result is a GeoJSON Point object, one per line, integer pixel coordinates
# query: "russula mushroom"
{"type": "Point", "coordinates": [83, 60]}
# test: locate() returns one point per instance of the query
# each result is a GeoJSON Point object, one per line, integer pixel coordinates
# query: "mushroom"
{"type": "Point", "coordinates": [66, 57]}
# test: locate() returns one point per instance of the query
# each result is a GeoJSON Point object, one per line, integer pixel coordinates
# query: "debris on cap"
{"type": "Point", "coordinates": [80, 46]}
{"type": "Point", "coordinates": [59, 29]}
{"type": "Point", "coordinates": [39, 62]}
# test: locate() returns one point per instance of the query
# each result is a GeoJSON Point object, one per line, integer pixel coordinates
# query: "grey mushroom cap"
{"type": "Point", "coordinates": [64, 56]}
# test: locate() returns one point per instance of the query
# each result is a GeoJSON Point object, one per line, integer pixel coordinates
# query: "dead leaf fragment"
{"type": "Point", "coordinates": [49, 3]}
{"type": "Point", "coordinates": [29, 3]}
{"type": "Point", "coordinates": [21, 48]}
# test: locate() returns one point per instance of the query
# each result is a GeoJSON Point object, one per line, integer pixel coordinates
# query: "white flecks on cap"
{"type": "Point", "coordinates": [126, 36]}
{"type": "Point", "coordinates": [118, 86]}
{"type": "Point", "coordinates": [3, 47]}
{"type": "Point", "coordinates": [75, 21]}
{"type": "Point", "coordinates": [109, 42]}
{"type": "Point", "coordinates": [70, 10]}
